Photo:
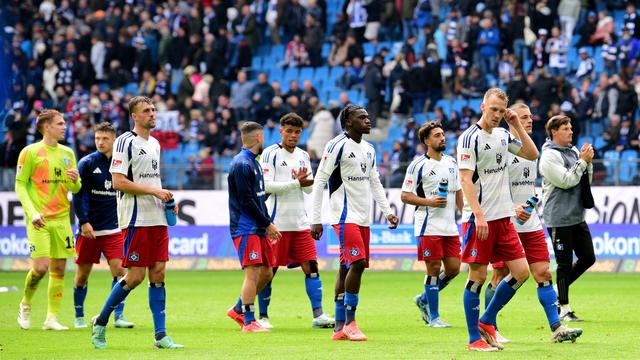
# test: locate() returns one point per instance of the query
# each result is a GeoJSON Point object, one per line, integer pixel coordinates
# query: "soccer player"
{"type": "Point", "coordinates": [287, 175]}
{"type": "Point", "coordinates": [250, 225]}
{"type": "Point", "coordinates": [522, 174]}
{"type": "Point", "coordinates": [46, 172]}
{"type": "Point", "coordinates": [488, 232]}
{"type": "Point", "coordinates": [95, 206]}
{"type": "Point", "coordinates": [349, 167]}
{"type": "Point", "coordinates": [135, 169]}
{"type": "Point", "coordinates": [566, 190]}
{"type": "Point", "coordinates": [435, 217]}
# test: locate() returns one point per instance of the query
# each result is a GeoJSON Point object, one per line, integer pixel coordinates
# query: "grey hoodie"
{"type": "Point", "coordinates": [562, 169]}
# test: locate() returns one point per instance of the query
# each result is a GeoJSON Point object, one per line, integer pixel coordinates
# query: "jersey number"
{"type": "Point", "coordinates": [68, 243]}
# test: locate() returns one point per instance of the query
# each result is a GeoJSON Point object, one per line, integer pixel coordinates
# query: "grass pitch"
{"type": "Point", "coordinates": [197, 302]}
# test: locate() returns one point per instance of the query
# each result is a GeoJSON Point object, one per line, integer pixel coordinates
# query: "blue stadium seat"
{"type": "Point", "coordinates": [225, 163]}
{"type": "Point", "coordinates": [458, 104]}
{"type": "Point", "coordinates": [304, 137]}
{"type": "Point", "coordinates": [420, 118]}
{"type": "Point", "coordinates": [306, 74]}
{"type": "Point", "coordinates": [276, 74]}
{"type": "Point", "coordinates": [628, 166]}
{"type": "Point", "coordinates": [326, 49]}
{"type": "Point", "coordinates": [369, 50]}
{"type": "Point", "coordinates": [290, 73]}
{"type": "Point", "coordinates": [610, 161]}
{"type": "Point", "coordinates": [131, 88]}
{"type": "Point", "coordinates": [599, 142]}
{"type": "Point", "coordinates": [321, 74]}
{"type": "Point", "coordinates": [474, 104]}
{"type": "Point", "coordinates": [584, 139]}
{"type": "Point", "coordinates": [597, 128]}
{"type": "Point", "coordinates": [395, 133]}
{"type": "Point", "coordinates": [445, 104]}
{"type": "Point", "coordinates": [256, 63]}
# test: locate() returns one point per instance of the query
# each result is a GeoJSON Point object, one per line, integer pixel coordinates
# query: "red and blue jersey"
{"type": "Point", "coordinates": [247, 208]}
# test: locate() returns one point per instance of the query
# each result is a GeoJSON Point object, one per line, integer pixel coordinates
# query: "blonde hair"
{"type": "Point", "coordinates": [45, 117]}
{"type": "Point", "coordinates": [497, 92]}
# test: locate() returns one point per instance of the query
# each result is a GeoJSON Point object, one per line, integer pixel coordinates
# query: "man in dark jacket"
{"type": "Point", "coordinates": [374, 88]}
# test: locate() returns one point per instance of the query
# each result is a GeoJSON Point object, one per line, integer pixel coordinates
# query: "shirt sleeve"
{"type": "Point", "coordinates": [456, 184]}
{"type": "Point", "coordinates": [330, 159]}
{"type": "Point", "coordinates": [553, 170]}
{"type": "Point", "coordinates": [81, 198]}
{"type": "Point", "coordinates": [410, 179]}
{"type": "Point", "coordinates": [307, 164]}
{"type": "Point", "coordinates": [247, 196]}
{"type": "Point", "coordinates": [514, 144]}
{"type": "Point", "coordinates": [269, 170]}
{"type": "Point", "coordinates": [466, 152]}
{"type": "Point", "coordinates": [24, 172]}
{"type": "Point", "coordinates": [74, 186]}
{"type": "Point", "coordinates": [120, 157]}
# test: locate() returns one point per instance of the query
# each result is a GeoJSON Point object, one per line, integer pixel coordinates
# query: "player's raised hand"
{"type": "Point", "coordinates": [522, 214]}
{"type": "Point", "coordinates": [302, 175]}
{"type": "Point", "coordinates": [316, 231]}
{"type": "Point", "coordinates": [511, 117]}
{"type": "Point", "coordinates": [163, 195]}
{"type": "Point", "coordinates": [482, 228]}
{"type": "Point", "coordinates": [72, 174]}
{"type": "Point", "coordinates": [273, 233]}
{"type": "Point", "coordinates": [393, 221]}
{"type": "Point", "coordinates": [87, 231]}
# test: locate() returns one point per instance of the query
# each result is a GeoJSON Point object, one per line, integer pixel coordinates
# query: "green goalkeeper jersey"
{"type": "Point", "coordinates": [41, 181]}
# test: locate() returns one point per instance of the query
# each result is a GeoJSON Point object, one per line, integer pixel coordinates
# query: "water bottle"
{"type": "Point", "coordinates": [168, 211]}
{"type": "Point", "coordinates": [443, 188]}
{"type": "Point", "coordinates": [529, 205]}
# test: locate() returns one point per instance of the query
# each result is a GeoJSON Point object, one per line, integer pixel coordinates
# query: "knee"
{"type": "Point", "coordinates": [452, 272]}
{"type": "Point", "coordinates": [81, 279]}
{"type": "Point", "coordinates": [133, 280]}
{"type": "Point", "coordinates": [39, 270]}
{"type": "Point", "coordinates": [156, 275]}
{"type": "Point", "coordinates": [313, 267]}
{"type": "Point", "coordinates": [433, 267]}
{"type": "Point", "coordinates": [358, 266]}
{"type": "Point", "coordinates": [588, 259]}
{"type": "Point", "coordinates": [543, 275]}
{"type": "Point", "coordinates": [521, 275]}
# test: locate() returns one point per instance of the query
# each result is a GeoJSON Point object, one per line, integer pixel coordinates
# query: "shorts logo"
{"type": "Point", "coordinates": [253, 255]}
{"type": "Point", "coordinates": [32, 248]}
{"type": "Point", "coordinates": [134, 256]}
{"type": "Point", "coordinates": [474, 252]}
{"type": "Point", "coordinates": [559, 246]}
{"type": "Point", "coordinates": [354, 252]}
{"type": "Point", "coordinates": [426, 253]}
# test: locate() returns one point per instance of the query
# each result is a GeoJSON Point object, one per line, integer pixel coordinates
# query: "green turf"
{"type": "Point", "coordinates": [197, 302]}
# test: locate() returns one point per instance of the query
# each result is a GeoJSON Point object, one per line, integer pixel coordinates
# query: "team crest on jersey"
{"type": "Point", "coordinates": [67, 162]}
{"type": "Point", "coordinates": [369, 155]}
{"type": "Point", "coordinates": [253, 255]}
{"type": "Point", "coordinates": [426, 253]}
{"type": "Point", "coordinates": [301, 163]}
{"type": "Point", "coordinates": [503, 142]}
{"type": "Point", "coordinates": [363, 167]}
{"type": "Point", "coordinates": [134, 256]}
{"type": "Point", "coordinates": [452, 170]}
{"type": "Point", "coordinates": [498, 158]}
{"type": "Point", "coordinates": [474, 252]}
{"type": "Point", "coordinates": [107, 184]}
{"type": "Point", "coordinates": [526, 172]}
{"type": "Point", "coordinates": [19, 171]}
{"type": "Point", "coordinates": [154, 164]}
{"type": "Point", "coordinates": [32, 248]}
{"type": "Point", "coordinates": [354, 252]}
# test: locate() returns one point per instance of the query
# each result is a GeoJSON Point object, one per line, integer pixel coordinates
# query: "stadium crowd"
{"type": "Point", "coordinates": [210, 64]}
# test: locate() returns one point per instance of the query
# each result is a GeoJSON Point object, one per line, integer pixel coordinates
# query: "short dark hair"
{"type": "Point", "coordinates": [425, 130]}
{"type": "Point", "coordinates": [291, 119]}
{"type": "Point", "coordinates": [136, 100]}
{"type": "Point", "coordinates": [248, 127]}
{"type": "Point", "coordinates": [346, 112]}
{"type": "Point", "coordinates": [555, 123]}
{"type": "Point", "coordinates": [105, 126]}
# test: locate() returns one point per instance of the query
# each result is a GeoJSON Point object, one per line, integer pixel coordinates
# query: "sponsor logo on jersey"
{"type": "Point", "coordinates": [57, 172]}
{"type": "Point", "coordinates": [354, 252]}
{"type": "Point", "coordinates": [487, 147]}
{"type": "Point", "coordinates": [352, 156]}
{"type": "Point", "coordinates": [154, 164]}
{"type": "Point", "coordinates": [465, 157]}
{"type": "Point", "coordinates": [253, 255]}
{"type": "Point", "coordinates": [408, 182]}
{"type": "Point", "coordinates": [134, 256]}
{"type": "Point", "coordinates": [265, 170]}
{"type": "Point", "coordinates": [116, 163]}
{"type": "Point", "coordinates": [142, 152]}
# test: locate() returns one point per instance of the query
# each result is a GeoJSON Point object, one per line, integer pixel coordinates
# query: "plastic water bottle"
{"type": "Point", "coordinates": [529, 205]}
{"type": "Point", "coordinates": [443, 188]}
{"type": "Point", "coordinates": [168, 211]}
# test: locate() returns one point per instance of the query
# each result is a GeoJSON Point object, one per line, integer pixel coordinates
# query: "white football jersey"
{"type": "Point", "coordinates": [285, 201]}
{"type": "Point", "coordinates": [486, 154]}
{"type": "Point", "coordinates": [522, 174]}
{"type": "Point", "coordinates": [350, 169]}
{"type": "Point", "coordinates": [423, 179]}
{"type": "Point", "coordinates": [139, 160]}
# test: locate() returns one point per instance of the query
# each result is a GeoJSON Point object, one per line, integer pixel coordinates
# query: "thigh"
{"type": "Point", "coordinates": [582, 242]}
{"type": "Point", "coordinates": [562, 244]}
{"type": "Point", "coordinates": [475, 251]}
{"type": "Point", "coordinates": [62, 240]}
{"type": "Point", "coordinates": [112, 245]}
{"type": "Point", "coordinates": [88, 250]}
{"type": "Point", "coordinates": [430, 248]}
{"type": "Point", "coordinates": [506, 244]}
{"type": "Point", "coordinates": [352, 245]}
{"type": "Point", "coordinates": [282, 248]}
{"type": "Point", "coordinates": [39, 241]}
{"type": "Point", "coordinates": [535, 246]}
{"type": "Point", "coordinates": [302, 247]}
{"type": "Point", "coordinates": [144, 246]}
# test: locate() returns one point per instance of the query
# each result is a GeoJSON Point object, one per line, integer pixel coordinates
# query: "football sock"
{"type": "Point", "coordinates": [249, 313]}
{"type": "Point", "coordinates": [431, 288]}
{"type": "Point", "coordinates": [423, 297]}
{"type": "Point", "coordinates": [488, 295]}
{"type": "Point", "coordinates": [31, 283]}
{"type": "Point", "coordinates": [55, 291]}
{"type": "Point", "coordinates": [548, 299]}
{"type": "Point", "coordinates": [118, 293]}
{"type": "Point", "coordinates": [120, 308]}
{"type": "Point", "coordinates": [79, 294]}
{"type": "Point", "coordinates": [264, 299]}
{"type": "Point", "coordinates": [157, 304]}
{"type": "Point", "coordinates": [471, 301]}
{"type": "Point", "coordinates": [350, 305]}
{"type": "Point", "coordinates": [313, 285]}
{"type": "Point", "coordinates": [504, 292]}
{"type": "Point", "coordinates": [340, 312]}
{"type": "Point", "coordinates": [443, 280]}
{"type": "Point", "coordinates": [238, 306]}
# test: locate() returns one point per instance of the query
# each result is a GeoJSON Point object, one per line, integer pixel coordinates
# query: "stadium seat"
{"type": "Point", "coordinates": [420, 118]}
{"type": "Point", "coordinates": [445, 104]}
{"type": "Point", "coordinates": [584, 139]}
{"type": "Point", "coordinates": [306, 74]}
{"type": "Point", "coordinates": [276, 74]}
{"type": "Point", "coordinates": [395, 133]}
{"type": "Point", "coordinates": [321, 74]}
{"type": "Point", "coordinates": [458, 104]}
{"type": "Point", "coordinates": [131, 88]}
{"type": "Point", "coordinates": [610, 161]}
{"type": "Point", "coordinates": [628, 166]}
{"type": "Point", "coordinates": [599, 143]}
{"type": "Point", "coordinates": [326, 49]}
{"type": "Point", "coordinates": [474, 104]}
{"type": "Point", "coordinates": [596, 128]}
{"type": "Point", "coordinates": [256, 63]}
{"type": "Point", "coordinates": [290, 73]}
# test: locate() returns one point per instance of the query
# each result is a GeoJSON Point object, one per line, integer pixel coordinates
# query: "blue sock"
{"type": "Point", "coordinates": [432, 289]}
{"type": "Point", "coordinates": [471, 301]}
{"type": "Point", "coordinates": [313, 285]}
{"type": "Point", "coordinates": [549, 299]}
{"type": "Point", "coordinates": [350, 305]}
{"type": "Point", "coordinates": [120, 308]}
{"type": "Point", "coordinates": [249, 313]}
{"type": "Point", "coordinates": [238, 306]}
{"type": "Point", "coordinates": [264, 299]}
{"type": "Point", "coordinates": [340, 312]}
{"type": "Point", "coordinates": [443, 280]}
{"type": "Point", "coordinates": [117, 295]}
{"type": "Point", "coordinates": [504, 292]}
{"type": "Point", "coordinates": [79, 294]}
{"type": "Point", "coordinates": [157, 304]}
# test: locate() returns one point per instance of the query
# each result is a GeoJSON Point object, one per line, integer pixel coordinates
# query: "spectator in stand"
{"type": "Point", "coordinates": [628, 48]}
{"type": "Point", "coordinates": [540, 55]}
{"type": "Point", "coordinates": [417, 86]}
{"type": "Point", "coordinates": [277, 110]}
{"type": "Point", "coordinates": [568, 12]}
{"type": "Point", "coordinates": [247, 26]}
{"type": "Point", "coordinates": [586, 67]}
{"type": "Point", "coordinates": [433, 76]}
{"type": "Point", "coordinates": [609, 54]}
{"type": "Point", "coordinates": [202, 90]}
{"type": "Point", "coordinates": [353, 76]}
{"type": "Point", "coordinates": [357, 18]}
{"type": "Point", "coordinates": [321, 130]}
{"type": "Point", "coordinates": [406, 13]}
{"type": "Point", "coordinates": [473, 86]}
{"type": "Point", "coordinates": [632, 20]}
{"type": "Point", "coordinates": [147, 84]}
{"type": "Point", "coordinates": [354, 48]}
{"type": "Point", "coordinates": [296, 54]}
{"type": "Point", "coordinates": [408, 50]}
{"type": "Point", "coordinates": [489, 45]}
{"type": "Point", "coordinates": [400, 105]}
{"type": "Point", "coordinates": [313, 40]}
{"type": "Point", "coordinates": [557, 48]}
{"type": "Point", "coordinates": [338, 52]}
{"type": "Point", "coordinates": [374, 86]}
{"type": "Point", "coordinates": [395, 69]}
{"type": "Point", "coordinates": [8, 160]}
{"type": "Point", "coordinates": [294, 89]}
{"type": "Point", "coordinates": [308, 92]}
{"type": "Point", "coordinates": [241, 97]}
{"type": "Point", "coordinates": [262, 96]}
{"type": "Point", "coordinates": [293, 19]}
